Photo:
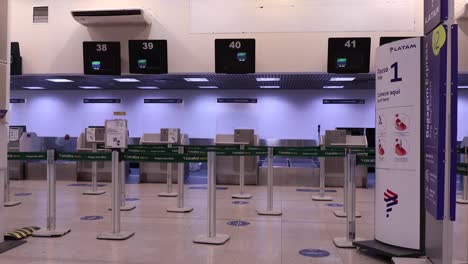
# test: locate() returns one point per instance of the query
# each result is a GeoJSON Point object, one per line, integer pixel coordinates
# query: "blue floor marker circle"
{"type": "Point", "coordinates": [132, 199]}
{"type": "Point", "coordinates": [314, 253]}
{"type": "Point", "coordinates": [23, 194]}
{"type": "Point", "coordinates": [240, 202]}
{"type": "Point", "coordinates": [91, 218]}
{"type": "Point", "coordinates": [238, 223]}
{"type": "Point", "coordinates": [334, 205]}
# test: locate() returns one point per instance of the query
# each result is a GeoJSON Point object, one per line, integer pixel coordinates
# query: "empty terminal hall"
{"type": "Point", "coordinates": [233, 132]}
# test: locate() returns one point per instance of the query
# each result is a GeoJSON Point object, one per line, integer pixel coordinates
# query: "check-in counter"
{"type": "Point", "coordinates": [157, 172]}
{"type": "Point", "coordinates": [334, 166]}
{"type": "Point", "coordinates": [228, 167]}
{"type": "Point", "coordinates": [84, 168]}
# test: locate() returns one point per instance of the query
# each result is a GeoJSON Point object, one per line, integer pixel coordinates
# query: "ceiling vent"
{"type": "Point", "coordinates": [112, 17]}
{"type": "Point", "coordinates": [40, 14]}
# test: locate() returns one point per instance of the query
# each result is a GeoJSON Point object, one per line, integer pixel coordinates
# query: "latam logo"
{"type": "Point", "coordinates": [391, 199]}
{"type": "Point", "coordinates": [403, 47]}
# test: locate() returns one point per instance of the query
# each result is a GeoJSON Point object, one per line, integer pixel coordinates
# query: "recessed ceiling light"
{"type": "Point", "coordinates": [196, 79]}
{"type": "Point", "coordinates": [333, 87]}
{"type": "Point", "coordinates": [269, 86]}
{"type": "Point", "coordinates": [126, 80]}
{"type": "Point", "coordinates": [90, 87]}
{"type": "Point", "coordinates": [463, 87]}
{"type": "Point", "coordinates": [148, 87]}
{"type": "Point", "coordinates": [59, 80]}
{"type": "Point", "coordinates": [265, 79]}
{"type": "Point", "coordinates": [208, 87]}
{"type": "Point", "coordinates": [34, 88]}
{"type": "Point", "coordinates": [342, 79]}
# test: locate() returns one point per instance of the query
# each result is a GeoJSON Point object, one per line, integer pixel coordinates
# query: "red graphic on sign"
{"type": "Point", "coordinates": [399, 124]}
{"type": "Point", "coordinates": [399, 149]}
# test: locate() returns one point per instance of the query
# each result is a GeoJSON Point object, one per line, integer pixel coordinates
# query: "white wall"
{"type": "Point", "coordinates": [278, 114]}
{"type": "Point", "coordinates": [56, 47]}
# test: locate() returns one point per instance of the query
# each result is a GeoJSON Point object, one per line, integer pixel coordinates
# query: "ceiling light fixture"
{"type": "Point", "coordinates": [90, 87]}
{"type": "Point", "coordinates": [268, 79]}
{"type": "Point", "coordinates": [208, 87]}
{"type": "Point", "coordinates": [148, 87]}
{"type": "Point", "coordinates": [333, 87]}
{"type": "Point", "coordinates": [126, 80]}
{"type": "Point", "coordinates": [342, 79]}
{"type": "Point", "coordinates": [270, 86]}
{"type": "Point", "coordinates": [59, 80]}
{"type": "Point", "coordinates": [34, 88]}
{"type": "Point", "coordinates": [196, 79]}
{"type": "Point", "coordinates": [463, 87]}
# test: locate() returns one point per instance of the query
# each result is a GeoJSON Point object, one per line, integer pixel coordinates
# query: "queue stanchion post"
{"type": "Point", "coordinates": [321, 196]}
{"type": "Point", "coordinates": [94, 177]}
{"type": "Point", "coordinates": [350, 177]}
{"type": "Point", "coordinates": [212, 237]}
{"type": "Point", "coordinates": [116, 233]}
{"type": "Point", "coordinates": [180, 208]}
{"type": "Point", "coordinates": [464, 198]}
{"type": "Point", "coordinates": [242, 194]}
{"type": "Point", "coordinates": [8, 202]}
{"type": "Point", "coordinates": [51, 230]}
{"type": "Point", "coordinates": [168, 192]}
{"type": "Point", "coordinates": [343, 212]}
{"type": "Point", "coordinates": [123, 195]}
{"type": "Point", "coordinates": [270, 208]}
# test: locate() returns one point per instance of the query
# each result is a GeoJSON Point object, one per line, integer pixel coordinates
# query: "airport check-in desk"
{"type": "Point", "coordinates": [157, 172]}
{"type": "Point", "coordinates": [227, 167]}
{"type": "Point", "coordinates": [37, 170]}
{"type": "Point", "coordinates": [84, 168]}
{"type": "Point", "coordinates": [334, 167]}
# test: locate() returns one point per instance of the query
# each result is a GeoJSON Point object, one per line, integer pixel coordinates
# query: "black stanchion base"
{"type": "Point", "coordinates": [7, 245]}
{"type": "Point", "coordinates": [380, 248]}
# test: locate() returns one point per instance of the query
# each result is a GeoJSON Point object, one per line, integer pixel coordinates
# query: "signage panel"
{"type": "Point", "coordinates": [116, 134]}
{"type": "Point", "coordinates": [344, 101]}
{"type": "Point", "coordinates": [17, 101]}
{"type": "Point", "coordinates": [435, 12]}
{"type": "Point", "coordinates": [235, 56]}
{"type": "Point", "coordinates": [148, 56]}
{"type": "Point", "coordinates": [163, 101]}
{"type": "Point", "coordinates": [101, 58]}
{"type": "Point", "coordinates": [398, 140]}
{"type": "Point", "coordinates": [101, 101]}
{"type": "Point", "coordinates": [349, 55]}
{"type": "Point", "coordinates": [95, 134]}
{"type": "Point", "coordinates": [237, 100]}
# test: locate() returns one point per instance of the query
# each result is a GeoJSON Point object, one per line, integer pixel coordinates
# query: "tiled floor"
{"type": "Point", "coordinates": [163, 237]}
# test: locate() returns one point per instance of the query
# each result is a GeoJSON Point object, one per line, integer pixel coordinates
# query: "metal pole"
{"type": "Point", "coordinates": [270, 209]}
{"type": "Point", "coordinates": [242, 170]}
{"type": "Point", "coordinates": [212, 238]}
{"type": "Point", "coordinates": [115, 193]}
{"type": "Point", "coordinates": [322, 196]}
{"type": "Point", "coordinates": [94, 170]}
{"type": "Point", "coordinates": [351, 212]}
{"type": "Point", "coordinates": [211, 194]}
{"type": "Point", "coordinates": [116, 233]}
{"type": "Point", "coordinates": [51, 206]}
{"type": "Point", "coordinates": [169, 174]}
{"type": "Point", "coordinates": [180, 185]}
{"type": "Point", "coordinates": [7, 186]}
{"type": "Point", "coordinates": [241, 194]}
{"type": "Point", "coordinates": [122, 183]}
{"type": "Point", "coordinates": [464, 179]}
{"type": "Point", "coordinates": [270, 180]}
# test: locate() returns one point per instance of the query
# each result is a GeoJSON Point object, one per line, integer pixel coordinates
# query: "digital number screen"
{"type": "Point", "coordinates": [148, 56]}
{"type": "Point", "coordinates": [101, 58]}
{"type": "Point", "coordinates": [349, 55]}
{"type": "Point", "coordinates": [235, 56]}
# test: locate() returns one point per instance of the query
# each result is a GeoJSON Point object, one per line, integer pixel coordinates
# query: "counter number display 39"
{"type": "Point", "coordinates": [235, 56]}
{"type": "Point", "coordinates": [148, 56]}
{"type": "Point", "coordinates": [349, 55]}
{"type": "Point", "coordinates": [101, 58]}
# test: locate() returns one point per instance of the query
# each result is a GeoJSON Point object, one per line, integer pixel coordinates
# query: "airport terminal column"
{"type": "Point", "coordinates": [464, 199]}
{"type": "Point", "coordinates": [8, 202]}
{"type": "Point", "coordinates": [212, 238]}
{"type": "Point", "coordinates": [321, 196]}
{"type": "Point", "coordinates": [94, 174]}
{"type": "Point", "coordinates": [168, 192]}
{"type": "Point", "coordinates": [350, 203]}
{"type": "Point", "coordinates": [242, 194]}
{"type": "Point", "coordinates": [180, 208]}
{"type": "Point", "coordinates": [4, 104]}
{"type": "Point", "coordinates": [51, 230]}
{"type": "Point", "coordinates": [270, 209]}
{"type": "Point", "coordinates": [116, 233]}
